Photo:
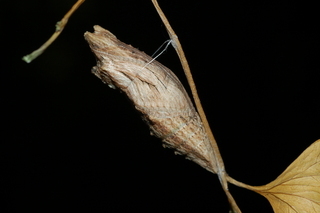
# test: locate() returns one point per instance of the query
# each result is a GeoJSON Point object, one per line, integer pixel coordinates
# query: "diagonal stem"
{"type": "Point", "coordinates": [59, 27]}
{"type": "Point", "coordinates": [220, 165]}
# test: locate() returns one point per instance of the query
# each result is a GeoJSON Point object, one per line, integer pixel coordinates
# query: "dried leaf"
{"type": "Point", "coordinates": [156, 92]}
{"type": "Point", "coordinates": [297, 189]}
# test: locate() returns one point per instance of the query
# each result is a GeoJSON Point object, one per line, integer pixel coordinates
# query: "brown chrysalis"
{"type": "Point", "coordinates": [155, 92]}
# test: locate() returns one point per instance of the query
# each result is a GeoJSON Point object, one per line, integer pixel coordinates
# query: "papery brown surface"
{"type": "Point", "coordinates": [155, 92]}
{"type": "Point", "coordinates": [297, 189]}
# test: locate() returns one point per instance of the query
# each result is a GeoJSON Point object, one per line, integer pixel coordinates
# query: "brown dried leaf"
{"type": "Point", "coordinates": [297, 189]}
{"type": "Point", "coordinates": [156, 92]}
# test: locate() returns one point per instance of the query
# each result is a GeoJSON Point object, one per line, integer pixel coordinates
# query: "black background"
{"type": "Point", "coordinates": [69, 142]}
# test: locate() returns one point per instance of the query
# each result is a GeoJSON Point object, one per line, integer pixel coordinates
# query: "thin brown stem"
{"type": "Point", "coordinates": [186, 68]}
{"type": "Point", "coordinates": [220, 165]}
{"type": "Point", "coordinates": [243, 185]}
{"type": "Point", "coordinates": [59, 27]}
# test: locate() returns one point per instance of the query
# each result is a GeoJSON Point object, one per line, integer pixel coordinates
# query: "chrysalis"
{"type": "Point", "coordinates": [156, 93]}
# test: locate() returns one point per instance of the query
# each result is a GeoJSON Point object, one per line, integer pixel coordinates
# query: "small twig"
{"type": "Point", "coordinates": [59, 27]}
{"type": "Point", "coordinates": [220, 165]}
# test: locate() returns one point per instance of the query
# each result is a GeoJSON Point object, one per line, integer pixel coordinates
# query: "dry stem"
{"type": "Point", "coordinates": [59, 27]}
{"type": "Point", "coordinates": [220, 165]}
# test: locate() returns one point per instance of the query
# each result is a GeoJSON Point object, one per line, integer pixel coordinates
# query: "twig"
{"type": "Point", "coordinates": [59, 27]}
{"type": "Point", "coordinates": [220, 165]}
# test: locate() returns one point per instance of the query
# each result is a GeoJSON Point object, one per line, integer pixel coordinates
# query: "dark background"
{"type": "Point", "coordinates": [69, 142]}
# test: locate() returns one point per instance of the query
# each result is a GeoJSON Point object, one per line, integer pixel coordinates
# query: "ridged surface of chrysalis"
{"type": "Point", "coordinates": [155, 92]}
